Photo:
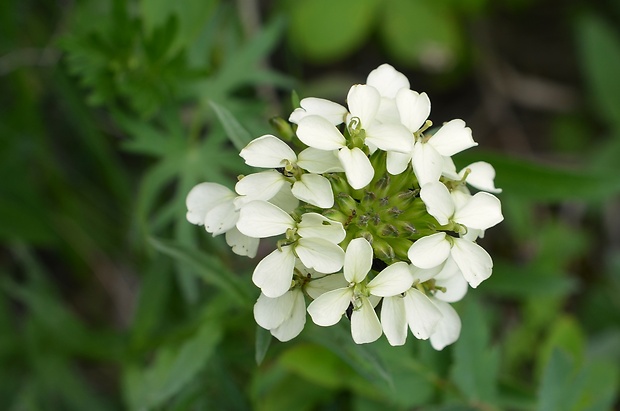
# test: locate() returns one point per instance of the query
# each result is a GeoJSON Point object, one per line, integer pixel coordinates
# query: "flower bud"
{"type": "Point", "coordinates": [282, 128]}
{"type": "Point", "coordinates": [383, 250]}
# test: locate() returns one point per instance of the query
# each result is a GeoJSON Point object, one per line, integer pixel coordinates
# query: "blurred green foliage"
{"type": "Point", "coordinates": [113, 109]}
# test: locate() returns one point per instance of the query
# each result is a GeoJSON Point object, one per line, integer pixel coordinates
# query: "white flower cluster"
{"type": "Point", "coordinates": [372, 213]}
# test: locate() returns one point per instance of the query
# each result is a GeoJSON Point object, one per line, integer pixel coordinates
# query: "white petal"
{"type": "Point", "coordinates": [314, 189]}
{"type": "Point", "coordinates": [317, 132]}
{"type": "Point", "coordinates": [392, 280]}
{"type": "Point", "coordinates": [319, 161]}
{"type": "Point", "coordinates": [453, 137]}
{"type": "Point", "coordinates": [267, 151]}
{"type": "Point", "coordinates": [430, 251]}
{"type": "Point", "coordinates": [449, 169]}
{"type": "Point", "coordinates": [285, 199]}
{"type": "Point", "coordinates": [316, 225]}
{"type": "Point", "coordinates": [294, 324]}
{"type": "Point", "coordinates": [387, 80]}
{"type": "Point", "coordinates": [427, 163]}
{"type": "Point", "coordinates": [316, 287]}
{"type": "Point", "coordinates": [397, 162]}
{"type": "Point", "coordinates": [203, 198]}
{"type": "Point", "coordinates": [422, 315]}
{"type": "Point", "coordinates": [328, 308]}
{"type": "Point", "coordinates": [241, 244]}
{"type": "Point", "coordinates": [388, 113]}
{"type": "Point", "coordinates": [260, 186]}
{"type": "Point", "coordinates": [474, 262]}
{"type": "Point", "coordinates": [390, 137]}
{"type": "Point", "coordinates": [482, 176]}
{"type": "Point", "coordinates": [357, 167]}
{"type": "Point", "coordinates": [413, 108]}
{"type": "Point", "coordinates": [394, 320]}
{"type": "Point", "coordinates": [365, 325]}
{"type": "Point", "coordinates": [274, 273]}
{"type": "Point", "coordinates": [333, 112]}
{"type": "Point", "coordinates": [448, 329]}
{"type": "Point", "coordinates": [322, 255]}
{"type": "Point", "coordinates": [453, 281]}
{"type": "Point", "coordinates": [271, 312]}
{"type": "Point", "coordinates": [482, 211]}
{"type": "Point", "coordinates": [357, 260]}
{"type": "Point", "coordinates": [363, 102]}
{"type": "Point", "coordinates": [221, 218]}
{"type": "Point", "coordinates": [438, 201]}
{"type": "Point", "coordinates": [260, 219]}
{"type": "Point", "coordinates": [421, 275]}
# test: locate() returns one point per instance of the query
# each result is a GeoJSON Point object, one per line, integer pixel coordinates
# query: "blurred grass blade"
{"type": "Point", "coordinates": [263, 341]}
{"type": "Point", "coordinates": [237, 134]}
{"type": "Point", "coordinates": [207, 267]}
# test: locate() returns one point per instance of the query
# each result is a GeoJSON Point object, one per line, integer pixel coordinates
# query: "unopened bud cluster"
{"type": "Point", "coordinates": [372, 219]}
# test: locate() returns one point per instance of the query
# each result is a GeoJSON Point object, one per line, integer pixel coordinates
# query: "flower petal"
{"type": "Point", "coordinates": [333, 112]}
{"type": "Point", "coordinates": [274, 273]}
{"type": "Point", "coordinates": [314, 189]}
{"type": "Point", "coordinates": [448, 329]}
{"type": "Point", "coordinates": [322, 255]}
{"type": "Point", "coordinates": [260, 219]}
{"type": "Point", "coordinates": [481, 176]}
{"type": "Point", "coordinates": [316, 225]}
{"type": "Point", "coordinates": [387, 80]}
{"type": "Point", "coordinates": [438, 201]}
{"type": "Point", "coordinates": [294, 324]}
{"type": "Point", "coordinates": [365, 325]}
{"type": "Point", "coordinates": [482, 211]}
{"type": "Point", "coordinates": [397, 162]}
{"type": "Point", "coordinates": [430, 251]}
{"type": "Point", "coordinates": [319, 161]}
{"type": "Point", "coordinates": [453, 281]}
{"type": "Point", "coordinates": [363, 101]}
{"type": "Point", "coordinates": [413, 108]}
{"type": "Point", "coordinates": [260, 186]}
{"type": "Point", "coordinates": [357, 260]}
{"type": "Point", "coordinates": [390, 137]}
{"type": "Point", "coordinates": [202, 198]}
{"type": "Point", "coordinates": [422, 315]}
{"type": "Point", "coordinates": [357, 167]}
{"type": "Point", "coordinates": [285, 199]}
{"type": "Point", "coordinates": [474, 262]}
{"type": "Point", "coordinates": [394, 320]}
{"type": "Point", "coordinates": [453, 137]}
{"type": "Point", "coordinates": [271, 312]}
{"type": "Point", "coordinates": [315, 131]}
{"type": "Point", "coordinates": [267, 151]}
{"type": "Point", "coordinates": [328, 308]}
{"type": "Point", "coordinates": [316, 287]}
{"type": "Point", "coordinates": [241, 244]}
{"type": "Point", "coordinates": [427, 163]}
{"type": "Point", "coordinates": [421, 275]}
{"type": "Point", "coordinates": [392, 280]}
{"type": "Point", "coordinates": [221, 218]}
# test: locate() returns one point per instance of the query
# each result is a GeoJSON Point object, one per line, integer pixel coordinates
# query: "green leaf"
{"type": "Point", "coordinates": [599, 46]}
{"type": "Point", "coordinates": [263, 341]}
{"type": "Point", "coordinates": [207, 267]}
{"type": "Point", "coordinates": [172, 369]}
{"type": "Point", "coordinates": [238, 135]}
{"type": "Point", "coordinates": [422, 33]}
{"type": "Point", "coordinates": [566, 334]}
{"type": "Point", "coordinates": [476, 364]}
{"type": "Point", "coordinates": [325, 30]}
{"type": "Point", "coordinates": [536, 181]}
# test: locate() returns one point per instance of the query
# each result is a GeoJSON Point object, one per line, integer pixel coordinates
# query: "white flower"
{"type": "Point", "coordinates": [388, 82]}
{"type": "Point", "coordinates": [480, 175]}
{"type": "Point", "coordinates": [363, 101]}
{"type": "Point", "coordinates": [283, 316]}
{"type": "Point", "coordinates": [328, 308]}
{"type": "Point", "coordinates": [270, 152]}
{"type": "Point", "coordinates": [448, 328]}
{"type": "Point", "coordinates": [429, 152]}
{"type": "Point", "coordinates": [212, 205]}
{"type": "Point", "coordinates": [314, 240]}
{"type": "Point", "coordinates": [333, 112]}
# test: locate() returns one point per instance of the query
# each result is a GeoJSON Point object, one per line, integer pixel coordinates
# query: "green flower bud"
{"type": "Point", "coordinates": [282, 128]}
